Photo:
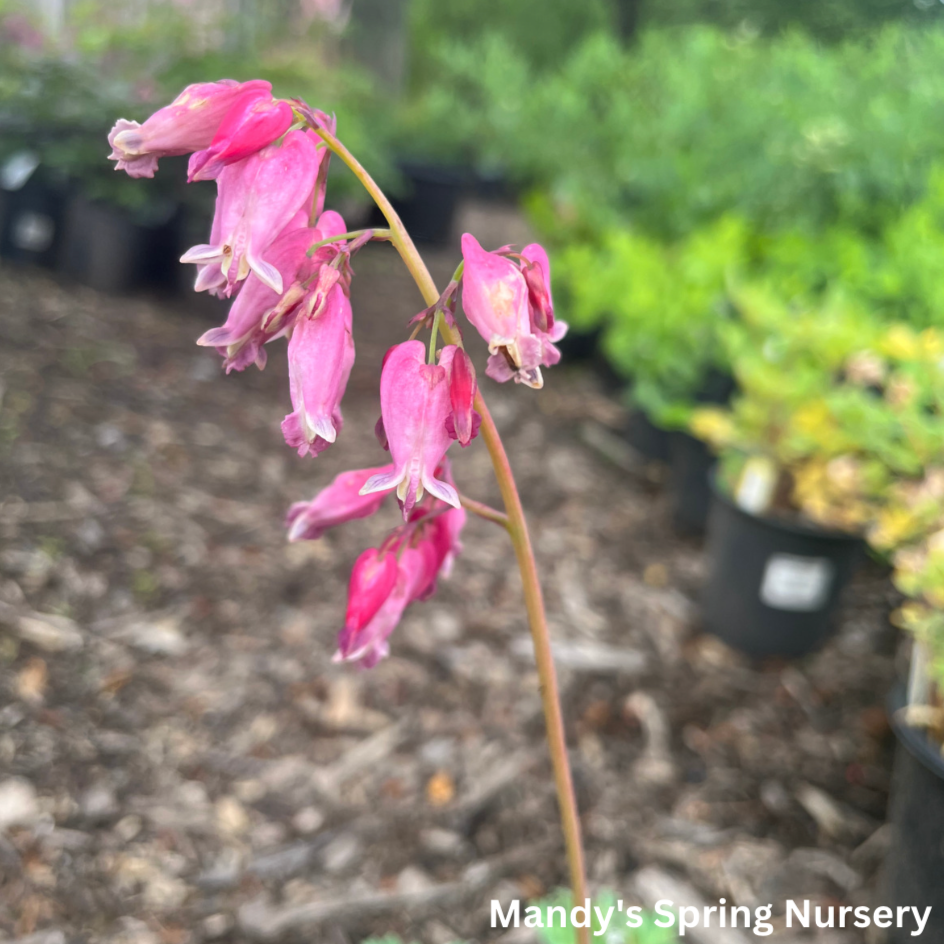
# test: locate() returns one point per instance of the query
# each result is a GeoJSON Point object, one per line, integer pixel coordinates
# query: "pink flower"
{"type": "Point", "coordinates": [495, 300]}
{"type": "Point", "coordinates": [424, 550]}
{"type": "Point", "coordinates": [320, 358]}
{"type": "Point", "coordinates": [373, 578]}
{"type": "Point", "coordinates": [414, 406]}
{"type": "Point", "coordinates": [463, 422]}
{"type": "Point", "coordinates": [258, 197]}
{"type": "Point", "coordinates": [254, 121]}
{"type": "Point", "coordinates": [187, 124]}
{"type": "Point", "coordinates": [441, 546]}
{"type": "Point", "coordinates": [536, 268]}
{"type": "Point", "coordinates": [240, 340]}
{"type": "Point", "coordinates": [259, 314]}
{"type": "Point", "coordinates": [340, 502]}
{"type": "Point", "coordinates": [367, 644]}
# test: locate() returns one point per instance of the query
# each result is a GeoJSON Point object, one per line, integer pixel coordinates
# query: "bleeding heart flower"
{"type": "Point", "coordinates": [495, 300]}
{"type": "Point", "coordinates": [320, 358]}
{"type": "Point", "coordinates": [373, 579]}
{"type": "Point", "coordinates": [368, 644]}
{"type": "Point", "coordinates": [258, 198]}
{"type": "Point", "coordinates": [424, 550]}
{"type": "Point", "coordinates": [414, 406]}
{"type": "Point", "coordinates": [340, 502]}
{"type": "Point", "coordinates": [188, 123]}
{"type": "Point", "coordinates": [240, 340]}
{"type": "Point", "coordinates": [258, 314]}
{"type": "Point", "coordinates": [254, 122]}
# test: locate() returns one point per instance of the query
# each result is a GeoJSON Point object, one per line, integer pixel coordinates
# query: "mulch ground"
{"type": "Point", "coordinates": [180, 760]}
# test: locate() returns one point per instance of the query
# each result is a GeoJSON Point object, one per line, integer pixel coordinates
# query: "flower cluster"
{"type": "Point", "coordinates": [285, 262]}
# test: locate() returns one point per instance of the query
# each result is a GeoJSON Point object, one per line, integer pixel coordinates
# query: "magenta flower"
{"type": "Point", "coordinates": [495, 300]}
{"type": "Point", "coordinates": [337, 504]}
{"type": "Point", "coordinates": [373, 578]}
{"type": "Point", "coordinates": [320, 358]}
{"type": "Point", "coordinates": [414, 407]}
{"type": "Point", "coordinates": [188, 123]}
{"type": "Point", "coordinates": [367, 644]}
{"type": "Point", "coordinates": [254, 122]}
{"type": "Point", "coordinates": [463, 422]}
{"type": "Point", "coordinates": [258, 198]}
{"type": "Point", "coordinates": [440, 546]}
{"type": "Point", "coordinates": [423, 550]}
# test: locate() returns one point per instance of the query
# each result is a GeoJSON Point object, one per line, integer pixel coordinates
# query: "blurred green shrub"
{"type": "Point", "coordinates": [664, 307]}
{"type": "Point", "coordinates": [59, 96]}
{"type": "Point", "coordinates": [689, 124]}
{"type": "Point", "coordinates": [661, 308]}
{"type": "Point", "coordinates": [841, 408]}
{"type": "Point", "coordinates": [828, 19]}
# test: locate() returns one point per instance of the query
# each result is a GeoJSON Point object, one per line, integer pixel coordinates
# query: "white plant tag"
{"type": "Point", "coordinates": [33, 232]}
{"type": "Point", "coordinates": [796, 583]}
{"type": "Point", "coordinates": [755, 489]}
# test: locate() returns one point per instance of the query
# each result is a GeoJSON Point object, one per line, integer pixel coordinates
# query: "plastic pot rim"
{"type": "Point", "coordinates": [918, 744]}
{"type": "Point", "coordinates": [779, 524]}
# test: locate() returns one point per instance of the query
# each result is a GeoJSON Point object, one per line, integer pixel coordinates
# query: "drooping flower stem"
{"type": "Point", "coordinates": [520, 539]}
{"type": "Point", "coordinates": [484, 511]}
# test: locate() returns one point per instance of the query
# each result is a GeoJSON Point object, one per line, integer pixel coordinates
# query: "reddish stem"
{"type": "Point", "coordinates": [521, 541]}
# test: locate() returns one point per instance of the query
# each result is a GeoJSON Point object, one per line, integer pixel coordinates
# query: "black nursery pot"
{"type": "Point", "coordinates": [428, 208]}
{"type": "Point", "coordinates": [107, 249]}
{"type": "Point", "coordinates": [914, 867]}
{"type": "Point", "coordinates": [772, 587]}
{"type": "Point", "coordinates": [646, 438]}
{"type": "Point", "coordinates": [690, 469]}
{"type": "Point", "coordinates": [692, 462]}
{"type": "Point", "coordinates": [31, 221]}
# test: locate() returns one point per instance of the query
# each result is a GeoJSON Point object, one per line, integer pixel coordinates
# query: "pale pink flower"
{"type": "Point", "coordinates": [187, 124]}
{"type": "Point", "coordinates": [259, 314]}
{"type": "Point", "coordinates": [340, 502]}
{"type": "Point", "coordinates": [414, 407]}
{"type": "Point", "coordinates": [495, 300]}
{"type": "Point", "coordinates": [320, 358]}
{"type": "Point", "coordinates": [258, 198]}
{"type": "Point", "coordinates": [536, 268]}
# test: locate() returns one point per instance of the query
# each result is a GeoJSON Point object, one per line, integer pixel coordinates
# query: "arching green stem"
{"type": "Point", "coordinates": [520, 539]}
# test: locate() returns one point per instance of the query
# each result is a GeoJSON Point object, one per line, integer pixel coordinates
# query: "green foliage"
{"type": "Point", "coordinates": [542, 31]}
{"type": "Point", "coordinates": [847, 412]}
{"type": "Point", "coordinates": [60, 100]}
{"type": "Point", "coordinates": [662, 307]}
{"type": "Point", "coordinates": [829, 19]}
{"type": "Point", "coordinates": [690, 124]}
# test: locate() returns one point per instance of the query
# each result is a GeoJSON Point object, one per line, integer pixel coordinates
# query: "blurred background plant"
{"type": "Point", "coordinates": [839, 415]}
